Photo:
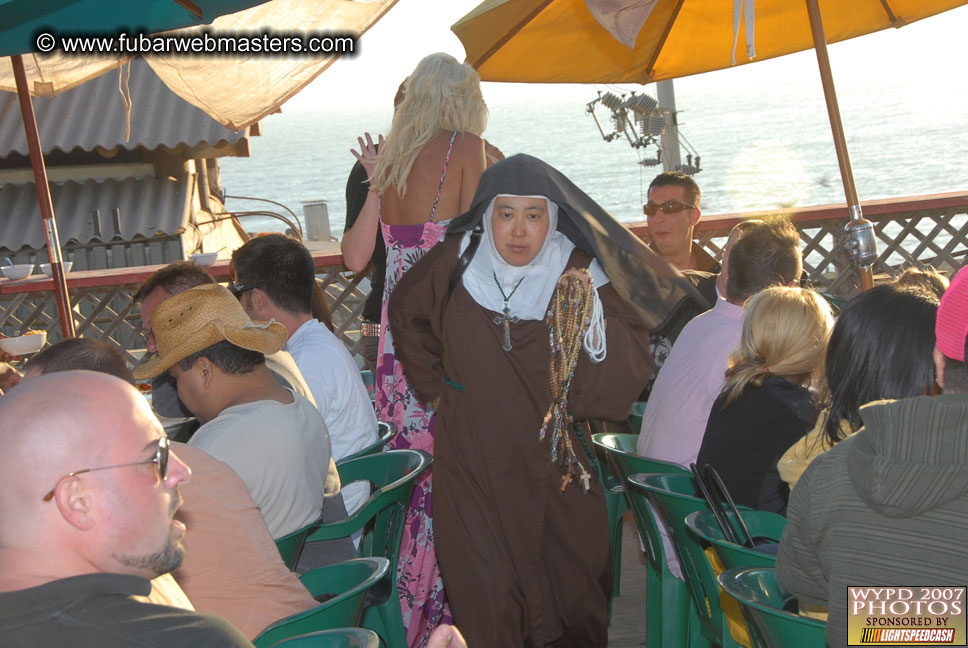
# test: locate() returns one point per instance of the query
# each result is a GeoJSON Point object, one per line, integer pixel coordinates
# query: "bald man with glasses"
{"type": "Point", "coordinates": [88, 494]}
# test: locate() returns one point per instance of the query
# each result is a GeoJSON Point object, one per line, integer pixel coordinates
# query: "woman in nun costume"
{"type": "Point", "coordinates": [533, 310]}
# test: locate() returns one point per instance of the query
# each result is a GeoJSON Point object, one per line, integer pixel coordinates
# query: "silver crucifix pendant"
{"type": "Point", "coordinates": [506, 320]}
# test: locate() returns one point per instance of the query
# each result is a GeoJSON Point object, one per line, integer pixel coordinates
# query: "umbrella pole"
{"type": "Point", "coordinates": [43, 196]}
{"type": "Point", "coordinates": [860, 242]}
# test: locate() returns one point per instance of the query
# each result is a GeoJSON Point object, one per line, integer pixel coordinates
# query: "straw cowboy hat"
{"type": "Point", "coordinates": [200, 317]}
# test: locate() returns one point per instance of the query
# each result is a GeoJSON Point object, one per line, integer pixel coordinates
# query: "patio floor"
{"type": "Point", "coordinates": [628, 609]}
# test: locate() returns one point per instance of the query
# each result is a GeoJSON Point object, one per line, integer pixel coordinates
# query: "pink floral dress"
{"type": "Point", "coordinates": [419, 584]}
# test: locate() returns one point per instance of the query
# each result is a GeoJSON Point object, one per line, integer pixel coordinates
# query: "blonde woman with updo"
{"type": "Point", "coordinates": [425, 174]}
{"type": "Point", "coordinates": [767, 403]}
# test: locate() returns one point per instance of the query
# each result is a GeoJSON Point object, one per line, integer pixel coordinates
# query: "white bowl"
{"type": "Point", "coordinates": [17, 271]}
{"type": "Point", "coordinates": [45, 268]}
{"type": "Point", "coordinates": [204, 258]}
{"type": "Point", "coordinates": [23, 344]}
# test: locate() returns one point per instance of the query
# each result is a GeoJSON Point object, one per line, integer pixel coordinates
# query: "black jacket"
{"type": "Point", "coordinates": [744, 441]}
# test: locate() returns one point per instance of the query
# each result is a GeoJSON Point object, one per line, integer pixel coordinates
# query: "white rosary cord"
{"type": "Point", "coordinates": [594, 342]}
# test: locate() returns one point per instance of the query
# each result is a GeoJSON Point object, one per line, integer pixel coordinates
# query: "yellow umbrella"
{"type": "Point", "coordinates": [561, 41]}
{"type": "Point", "coordinates": [641, 41]}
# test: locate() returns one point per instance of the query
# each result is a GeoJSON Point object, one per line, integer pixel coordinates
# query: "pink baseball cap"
{"type": "Point", "coordinates": [951, 327]}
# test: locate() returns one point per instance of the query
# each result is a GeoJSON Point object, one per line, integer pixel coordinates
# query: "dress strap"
{"type": "Point", "coordinates": [443, 174]}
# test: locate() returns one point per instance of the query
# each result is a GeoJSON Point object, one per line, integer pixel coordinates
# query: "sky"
{"type": "Point", "coordinates": [924, 52]}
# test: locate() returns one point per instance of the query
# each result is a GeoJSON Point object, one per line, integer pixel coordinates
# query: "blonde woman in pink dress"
{"type": "Point", "coordinates": [426, 173]}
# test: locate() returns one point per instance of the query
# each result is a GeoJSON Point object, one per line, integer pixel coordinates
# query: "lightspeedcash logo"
{"type": "Point", "coordinates": [903, 636]}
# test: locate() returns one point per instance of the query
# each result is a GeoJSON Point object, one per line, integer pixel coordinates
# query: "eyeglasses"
{"type": "Point", "coordinates": [668, 207]}
{"type": "Point", "coordinates": [160, 458]}
{"type": "Point", "coordinates": [239, 290]}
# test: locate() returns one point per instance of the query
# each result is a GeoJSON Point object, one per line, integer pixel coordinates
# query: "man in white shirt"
{"type": "Point", "coordinates": [275, 277]}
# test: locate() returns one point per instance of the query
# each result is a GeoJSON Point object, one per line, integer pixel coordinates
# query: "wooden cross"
{"type": "Point", "coordinates": [584, 481]}
{"type": "Point", "coordinates": [565, 480]}
{"type": "Point", "coordinates": [506, 320]}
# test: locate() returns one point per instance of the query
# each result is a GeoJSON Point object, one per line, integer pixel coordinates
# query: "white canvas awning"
{"type": "Point", "coordinates": [235, 90]}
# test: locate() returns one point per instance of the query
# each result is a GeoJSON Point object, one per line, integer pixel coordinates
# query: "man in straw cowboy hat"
{"type": "Point", "coordinates": [274, 439]}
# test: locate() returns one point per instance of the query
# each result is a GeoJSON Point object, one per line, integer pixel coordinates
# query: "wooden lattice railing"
{"type": "Point", "coordinates": [102, 304]}
{"type": "Point", "coordinates": [924, 230]}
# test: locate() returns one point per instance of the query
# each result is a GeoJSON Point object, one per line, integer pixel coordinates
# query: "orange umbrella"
{"type": "Point", "coordinates": [641, 41]}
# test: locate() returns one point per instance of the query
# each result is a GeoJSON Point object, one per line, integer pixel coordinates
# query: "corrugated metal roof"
{"type": "Point", "coordinates": [92, 115]}
{"type": "Point", "coordinates": [145, 206]}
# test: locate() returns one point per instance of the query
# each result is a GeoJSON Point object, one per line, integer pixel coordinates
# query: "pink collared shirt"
{"type": "Point", "coordinates": [691, 378]}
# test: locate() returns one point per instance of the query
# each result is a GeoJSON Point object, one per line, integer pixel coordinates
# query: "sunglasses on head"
{"type": "Point", "coordinates": [668, 207]}
{"type": "Point", "coordinates": [160, 458]}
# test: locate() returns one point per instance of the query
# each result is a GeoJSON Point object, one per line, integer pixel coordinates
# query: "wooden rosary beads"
{"type": "Point", "coordinates": [568, 321]}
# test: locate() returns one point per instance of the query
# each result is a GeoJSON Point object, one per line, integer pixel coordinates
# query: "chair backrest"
{"type": "Point", "coordinates": [762, 525]}
{"type": "Point", "coordinates": [619, 449]}
{"type": "Point", "coordinates": [384, 432]}
{"type": "Point", "coordinates": [290, 546]}
{"type": "Point", "coordinates": [369, 383]}
{"type": "Point", "coordinates": [676, 496]}
{"type": "Point", "coordinates": [763, 600]}
{"type": "Point", "coordinates": [339, 638]}
{"type": "Point", "coordinates": [634, 419]}
{"type": "Point", "coordinates": [349, 581]}
{"type": "Point", "coordinates": [391, 475]}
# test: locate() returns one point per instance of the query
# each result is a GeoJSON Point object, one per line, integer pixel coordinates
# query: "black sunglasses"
{"type": "Point", "coordinates": [239, 290]}
{"type": "Point", "coordinates": [668, 207]}
{"type": "Point", "coordinates": [160, 458]}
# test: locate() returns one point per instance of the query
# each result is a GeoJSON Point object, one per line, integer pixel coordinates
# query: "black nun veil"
{"type": "Point", "coordinates": [649, 283]}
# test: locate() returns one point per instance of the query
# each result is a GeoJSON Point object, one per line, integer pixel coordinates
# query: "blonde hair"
{"type": "Point", "coordinates": [785, 333]}
{"type": "Point", "coordinates": [441, 94]}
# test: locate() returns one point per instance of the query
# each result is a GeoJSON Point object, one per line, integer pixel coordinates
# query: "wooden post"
{"type": "Point", "coordinates": [864, 237]}
{"type": "Point", "coordinates": [43, 196]}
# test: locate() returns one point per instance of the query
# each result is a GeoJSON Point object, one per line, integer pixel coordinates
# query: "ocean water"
{"type": "Point", "coordinates": [763, 136]}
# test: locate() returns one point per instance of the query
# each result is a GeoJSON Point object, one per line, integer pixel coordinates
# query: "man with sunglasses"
{"type": "Point", "coordinates": [275, 277]}
{"type": "Point", "coordinates": [88, 494]}
{"type": "Point", "coordinates": [672, 212]}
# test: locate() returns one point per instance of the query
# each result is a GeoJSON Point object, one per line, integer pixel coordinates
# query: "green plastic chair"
{"type": "Point", "coordinates": [676, 496]}
{"type": "Point", "coordinates": [290, 546]}
{"type": "Point", "coordinates": [762, 600]}
{"type": "Point", "coordinates": [667, 603]}
{"type": "Point", "coordinates": [762, 525]}
{"type": "Point", "coordinates": [340, 638]}
{"type": "Point", "coordinates": [616, 506]}
{"type": "Point", "coordinates": [615, 497]}
{"type": "Point", "coordinates": [391, 475]}
{"type": "Point", "coordinates": [351, 580]}
{"type": "Point", "coordinates": [385, 432]}
{"type": "Point", "coordinates": [368, 382]}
